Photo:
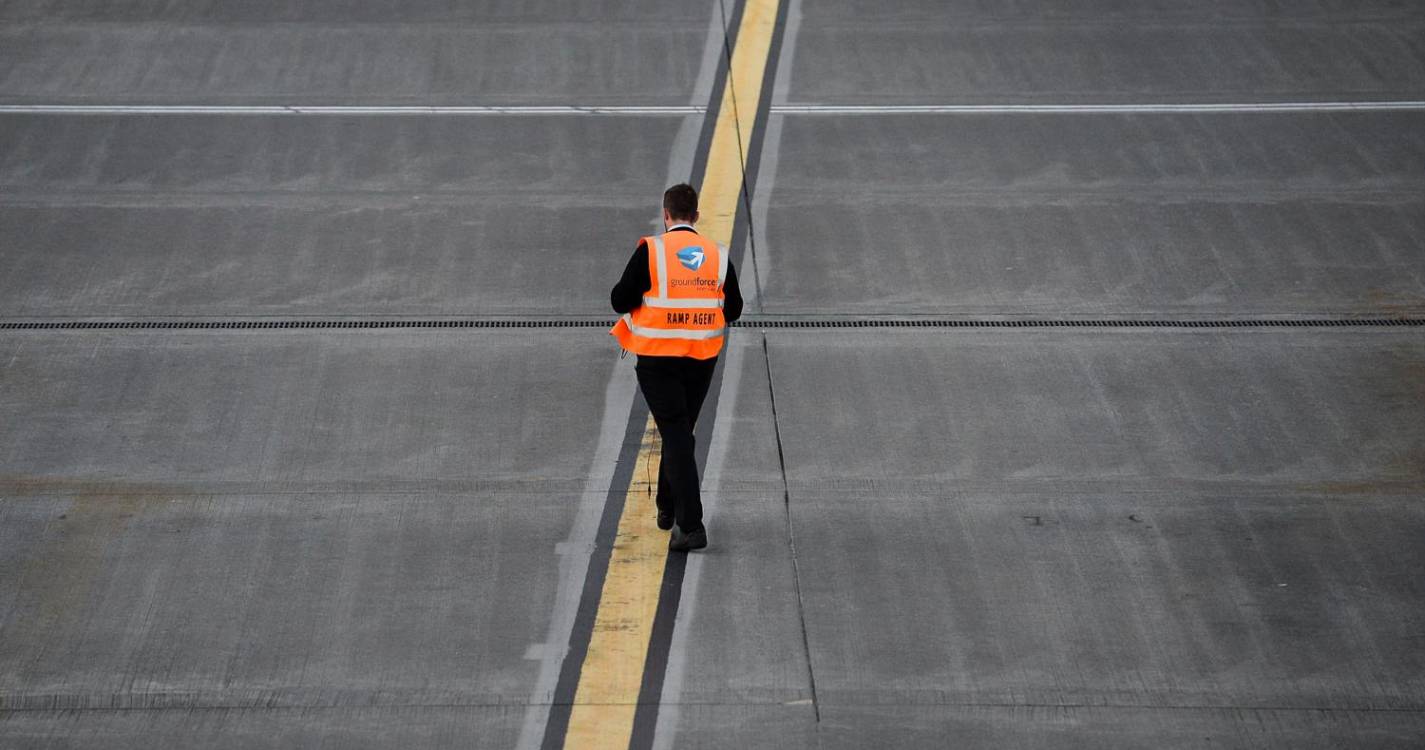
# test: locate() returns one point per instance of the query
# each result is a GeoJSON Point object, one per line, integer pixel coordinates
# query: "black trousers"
{"type": "Point", "coordinates": [674, 388]}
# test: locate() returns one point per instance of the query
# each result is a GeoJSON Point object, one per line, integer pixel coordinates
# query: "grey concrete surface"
{"type": "Point", "coordinates": [995, 538]}
{"type": "Point", "coordinates": [178, 597]}
{"type": "Point", "coordinates": [1092, 728]}
{"type": "Point", "coordinates": [1114, 598]}
{"type": "Point", "coordinates": [376, 728]}
{"type": "Point", "coordinates": [368, 409]}
{"type": "Point", "coordinates": [748, 725]}
{"type": "Point", "coordinates": [543, 159]}
{"type": "Point", "coordinates": [425, 52]}
{"type": "Point", "coordinates": [743, 640]}
{"type": "Point", "coordinates": [343, 528]}
{"type": "Point", "coordinates": [318, 216]}
{"type": "Point", "coordinates": [1114, 540]}
{"type": "Point", "coordinates": [1021, 52]}
{"type": "Point", "coordinates": [610, 13]}
{"type": "Point", "coordinates": [881, 410]}
{"type": "Point", "coordinates": [1098, 215]}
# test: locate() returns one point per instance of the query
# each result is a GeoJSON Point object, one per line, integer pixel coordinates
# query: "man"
{"type": "Point", "coordinates": [675, 298]}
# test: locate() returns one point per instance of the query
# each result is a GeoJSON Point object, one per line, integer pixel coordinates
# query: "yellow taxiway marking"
{"type": "Point", "coordinates": [607, 695]}
{"type": "Point", "coordinates": [736, 116]}
{"type": "Point", "coordinates": [612, 674]}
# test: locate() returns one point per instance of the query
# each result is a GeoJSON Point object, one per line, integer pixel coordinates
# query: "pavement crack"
{"type": "Point", "coordinates": [791, 535]}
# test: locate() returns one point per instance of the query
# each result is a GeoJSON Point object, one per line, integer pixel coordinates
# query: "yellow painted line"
{"type": "Point", "coordinates": [607, 696]}
{"type": "Point", "coordinates": [612, 674]}
{"type": "Point", "coordinates": [722, 182]}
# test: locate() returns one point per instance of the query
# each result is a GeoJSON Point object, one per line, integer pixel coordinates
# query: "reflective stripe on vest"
{"type": "Point", "coordinates": [660, 325]}
{"type": "Point", "coordinates": [671, 333]}
{"type": "Point", "coordinates": [663, 300]}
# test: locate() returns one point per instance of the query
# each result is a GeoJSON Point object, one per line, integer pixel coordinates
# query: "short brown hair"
{"type": "Point", "coordinates": [681, 201]}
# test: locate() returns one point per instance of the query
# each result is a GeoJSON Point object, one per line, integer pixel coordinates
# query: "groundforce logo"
{"type": "Point", "coordinates": [708, 283]}
{"type": "Point", "coordinates": [691, 257]}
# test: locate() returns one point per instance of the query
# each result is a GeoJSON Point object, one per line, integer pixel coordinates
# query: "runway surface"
{"type": "Point", "coordinates": [1052, 536]}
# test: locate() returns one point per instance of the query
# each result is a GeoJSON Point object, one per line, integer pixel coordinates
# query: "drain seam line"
{"type": "Point", "coordinates": [810, 322]}
{"type": "Point", "coordinates": [499, 705]}
{"type": "Point", "coordinates": [357, 110]}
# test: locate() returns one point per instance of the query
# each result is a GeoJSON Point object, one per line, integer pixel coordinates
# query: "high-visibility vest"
{"type": "Point", "coordinates": [681, 314]}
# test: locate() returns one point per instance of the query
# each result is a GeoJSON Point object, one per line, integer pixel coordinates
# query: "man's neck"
{"type": "Point", "coordinates": [681, 225]}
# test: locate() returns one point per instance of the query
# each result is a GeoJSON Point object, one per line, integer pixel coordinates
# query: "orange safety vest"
{"type": "Point", "coordinates": [681, 314]}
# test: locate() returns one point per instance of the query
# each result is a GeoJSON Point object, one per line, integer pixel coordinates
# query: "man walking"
{"type": "Point", "coordinates": [675, 299]}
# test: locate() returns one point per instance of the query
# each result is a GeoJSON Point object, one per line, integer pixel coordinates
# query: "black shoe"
{"type": "Point", "coordinates": [665, 520]}
{"type": "Point", "coordinates": [687, 542]}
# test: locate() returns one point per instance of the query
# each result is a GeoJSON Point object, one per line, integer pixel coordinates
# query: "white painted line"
{"type": "Point", "coordinates": [683, 110]}
{"type": "Point", "coordinates": [714, 470]}
{"type": "Point", "coordinates": [946, 109]}
{"type": "Point", "coordinates": [618, 400]}
{"type": "Point", "coordinates": [675, 675]}
{"type": "Point", "coordinates": [575, 553]}
{"type": "Point", "coordinates": [234, 109]}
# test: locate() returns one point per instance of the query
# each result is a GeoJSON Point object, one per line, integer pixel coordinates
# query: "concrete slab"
{"type": "Point", "coordinates": [179, 598]}
{"type": "Point", "coordinates": [522, 155]}
{"type": "Point", "coordinates": [319, 216]}
{"type": "Point", "coordinates": [428, 52]}
{"type": "Point", "coordinates": [1098, 215]}
{"type": "Point", "coordinates": [744, 642]}
{"type": "Point", "coordinates": [1003, 538]}
{"type": "Point", "coordinates": [355, 528]}
{"type": "Point", "coordinates": [752, 726]}
{"type": "Point", "coordinates": [610, 12]}
{"type": "Point", "coordinates": [740, 640]}
{"type": "Point", "coordinates": [1262, 154]}
{"type": "Point", "coordinates": [1163, 409]}
{"type": "Point", "coordinates": [1093, 727]}
{"type": "Point", "coordinates": [924, 52]}
{"type": "Point", "coordinates": [234, 728]}
{"type": "Point", "coordinates": [1114, 598]}
{"type": "Point", "coordinates": [1108, 539]}
{"type": "Point", "coordinates": [949, 12]}
{"type": "Point", "coordinates": [364, 409]}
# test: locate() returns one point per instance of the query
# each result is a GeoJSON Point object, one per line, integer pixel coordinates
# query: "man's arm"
{"type": "Point", "coordinates": [628, 292]}
{"type": "Point", "coordinates": [732, 295]}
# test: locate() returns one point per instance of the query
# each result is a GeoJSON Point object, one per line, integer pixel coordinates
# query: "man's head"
{"type": "Point", "coordinates": [680, 205]}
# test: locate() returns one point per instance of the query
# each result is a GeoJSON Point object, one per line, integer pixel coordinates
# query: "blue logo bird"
{"type": "Point", "coordinates": [691, 257]}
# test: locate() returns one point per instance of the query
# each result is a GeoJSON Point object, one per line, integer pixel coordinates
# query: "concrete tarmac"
{"type": "Point", "coordinates": [338, 51]}
{"type": "Point", "coordinates": [1039, 538]}
{"type": "Point", "coordinates": [1100, 215]}
{"type": "Point", "coordinates": [965, 51]}
{"type": "Point", "coordinates": [247, 215]}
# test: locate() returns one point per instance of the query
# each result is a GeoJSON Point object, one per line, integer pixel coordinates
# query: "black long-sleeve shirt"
{"type": "Point", "coordinates": [627, 294]}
